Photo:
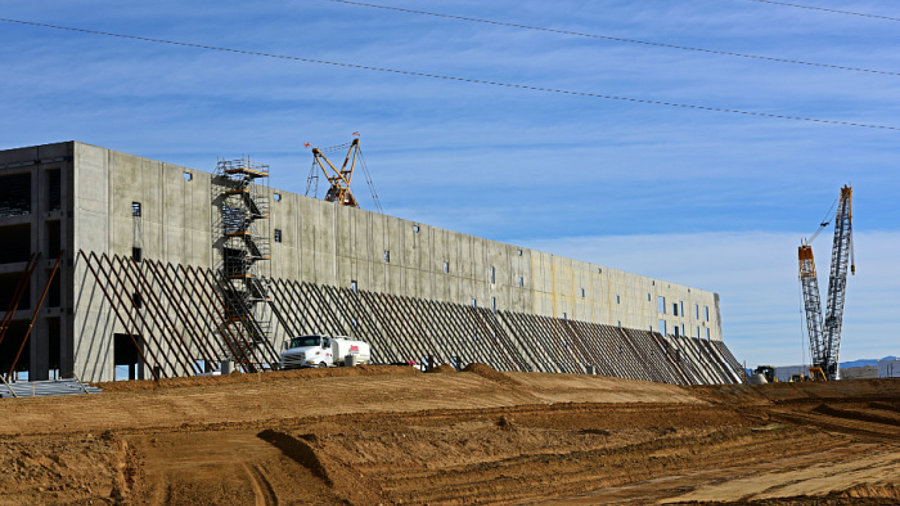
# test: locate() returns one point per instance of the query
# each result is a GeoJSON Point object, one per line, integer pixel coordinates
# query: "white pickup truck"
{"type": "Point", "coordinates": [318, 350]}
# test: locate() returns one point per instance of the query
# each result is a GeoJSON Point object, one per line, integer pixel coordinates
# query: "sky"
{"type": "Point", "coordinates": [713, 200]}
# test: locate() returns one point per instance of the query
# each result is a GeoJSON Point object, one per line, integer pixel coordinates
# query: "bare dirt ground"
{"type": "Point", "coordinates": [392, 435]}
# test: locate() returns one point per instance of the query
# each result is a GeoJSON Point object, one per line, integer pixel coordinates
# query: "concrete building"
{"type": "Point", "coordinates": [889, 367]}
{"type": "Point", "coordinates": [83, 200]}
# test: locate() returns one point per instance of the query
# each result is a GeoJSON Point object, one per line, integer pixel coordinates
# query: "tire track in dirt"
{"type": "Point", "coordinates": [262, 488]}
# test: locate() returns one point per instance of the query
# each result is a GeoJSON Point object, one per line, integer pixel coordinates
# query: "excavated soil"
{"type": "Point", "coordinates": [391, 435]}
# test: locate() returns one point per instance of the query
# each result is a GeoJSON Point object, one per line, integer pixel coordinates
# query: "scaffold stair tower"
{"type": "Point", "coordinates": [243, 199]}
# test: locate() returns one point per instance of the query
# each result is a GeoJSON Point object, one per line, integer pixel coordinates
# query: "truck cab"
{"type": "Point", "coordinates": [312, 350]}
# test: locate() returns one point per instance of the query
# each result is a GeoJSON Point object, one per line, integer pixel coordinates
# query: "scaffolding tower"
{"type": "Point", "coordinates": [241, 195]}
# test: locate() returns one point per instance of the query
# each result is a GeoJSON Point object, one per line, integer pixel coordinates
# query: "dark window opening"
{"type": "Point", "coordinates": [53, 342]}
{"type": "Point", "coordinates": [137, 300]}
{"type": "Point", "coordinates": [137, 254]}
{"type": "Point", "coordinates": [10, 346]}
{"type": "Point", "coordinates": [277, 235]}
{"type": "Point", "coordinates": [236, 262]}
{"type": "Point", "coordinates": [55, 294]}
{"type": "Point", "coordinates": [354, 286]}
{"type": "Point", "coordinates": [493, 275]}
{"type": "Point", "coordinates": [8, 284]}
{"type": "Point", "coordinates": [16, 244]}
{"type": "Point", "coordinates": [54, 190]}
{"type": "Point", "coordinates": [53, 239]}
{"type": "Point", "coordinates": [232, 219]}
{"type": "Point", "coordinates": [387, 256]}
{"type": "Point", "coordinates": [136, 209]}
{"type": "Point", "coordinates": [15, 195]}
{"type": "Point", "coordinates": [674, 309]}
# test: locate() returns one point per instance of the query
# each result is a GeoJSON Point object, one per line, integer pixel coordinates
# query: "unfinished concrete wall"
{"type": "Point", "coordinates": [116, 203]}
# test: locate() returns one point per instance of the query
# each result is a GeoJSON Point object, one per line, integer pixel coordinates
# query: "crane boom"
{"type": "Point", "coordinates": [811, 302]}
{"type": "Point", "coordinates": [837, 282]}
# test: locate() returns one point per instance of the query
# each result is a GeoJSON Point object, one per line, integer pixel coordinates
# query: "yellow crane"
{"type": "Point", "coordinates": [339, 179]}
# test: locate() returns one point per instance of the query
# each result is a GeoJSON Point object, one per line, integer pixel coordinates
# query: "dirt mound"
{"type": "Point", "coordinates": [443, 369]}
{"type": "Point", "coordinates": [371, 435]}
{"type": "Point", "coordinates": [234, 378]}
{"type": "Point", "coordinates": [487, 372]}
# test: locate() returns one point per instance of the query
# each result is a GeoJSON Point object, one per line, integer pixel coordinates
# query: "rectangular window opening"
{"type": "Point", "coordinates": [494, 304]}
{"type": "Point", "coordinates": [387, 256]}
{"type": "Point", "coordinates": [15, 195]}
{"type": "Point", "coordinates": [446, 267]}
{"type": "Point", "coordinates": [137, 254]}
{"type": "Point", "coordinates": [54, 190]}
{"type": "Point", "coordinates": [277, 235]}
{"type": "Point", "coordinates": [662, 326]}
{"type": "Point", "coordinates": [618, 300]}
{"type": "Point", "coordinates": [493, 275]}
{"type": "Point", "coordinates": [582, 293]}
{"type": "Point", "coordinates": [353, 285]}
{"type": "Point", "coordinates": [706, 312]}
{"type": "Point", "coordinates": [521, 281]}
{"type": "Point", "coordinates": [674, 309]}
{"type": "Point", "coordinates": [136, 209]}
{"type": "Point", "coordinates": [188, 177]}
{"type": "Point", "coordinates": [661, 305]}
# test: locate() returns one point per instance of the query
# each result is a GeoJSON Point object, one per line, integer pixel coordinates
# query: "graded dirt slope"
{"type": "Point", "coordinates": [392, 435]}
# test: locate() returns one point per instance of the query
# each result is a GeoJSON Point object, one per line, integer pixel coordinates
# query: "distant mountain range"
{"type": "Point", "coordinates": [864, 362]}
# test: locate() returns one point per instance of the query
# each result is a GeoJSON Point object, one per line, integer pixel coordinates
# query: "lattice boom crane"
{"type": "Point", "coordinates": [825, 336]}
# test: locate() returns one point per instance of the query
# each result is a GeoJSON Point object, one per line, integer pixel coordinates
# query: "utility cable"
{"type": "Point", "coordinates": [460, 79]}
{"type": "Point", "coordinates": [825, 9]}
{"type": "Point", "coordinates": [620, 39]}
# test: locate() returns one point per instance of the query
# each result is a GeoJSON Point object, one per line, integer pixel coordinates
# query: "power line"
{"type": "Point", "coordinates": [456, 78]}
{"type": "Point", "coordinates": [619, 39]}
{"type": "Point", "coordinates": [825, 9]}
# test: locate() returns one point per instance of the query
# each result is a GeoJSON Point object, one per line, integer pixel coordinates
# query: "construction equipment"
{"type": "Point", "coordinates": [817, 374]}
{"type": "Point", "coordinates": [767, 372]}
{"type": "Point", "coordinates": [339, 180]}
{"type": "Point", "coordinates": [339, 191]}
{"type": "Point", "coordinates": [825, 336]}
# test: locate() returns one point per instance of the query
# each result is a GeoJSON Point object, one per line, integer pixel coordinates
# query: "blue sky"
{"type": "Point", "coordinates": [713, 200]}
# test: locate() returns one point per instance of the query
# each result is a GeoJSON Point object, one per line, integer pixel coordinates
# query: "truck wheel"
{"type": "Point", "coordinates": [322, 364]}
